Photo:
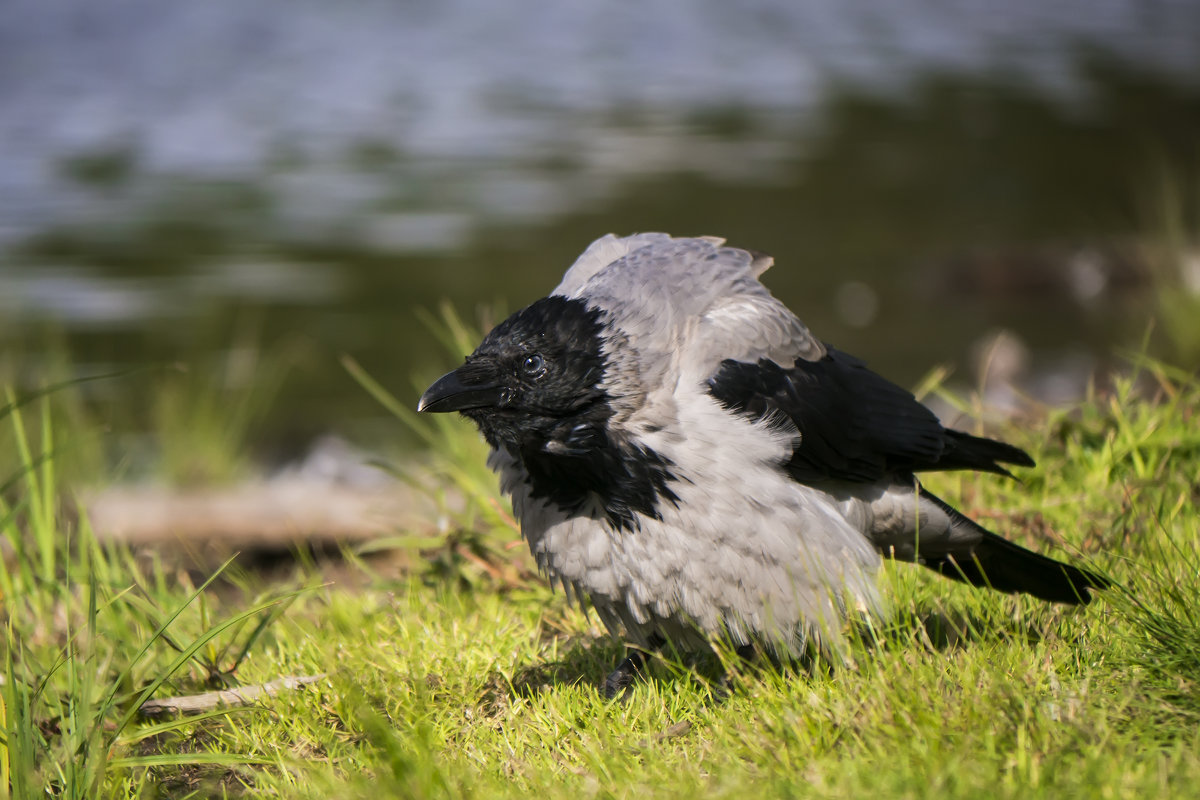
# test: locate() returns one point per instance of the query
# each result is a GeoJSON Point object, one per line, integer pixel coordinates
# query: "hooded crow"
{"type": "Point", "coordinates": [684, 454]}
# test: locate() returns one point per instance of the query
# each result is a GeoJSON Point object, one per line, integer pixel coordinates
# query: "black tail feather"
{"type": "Point", "coordinates": [995, 562]}
{"type": "Point", "coordinates": [965, 451]}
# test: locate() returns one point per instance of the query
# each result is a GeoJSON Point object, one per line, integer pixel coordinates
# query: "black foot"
{"type": "Point", "coordinates": [629, 669]}
{"type": "Point", "coordinates": [624, 675]}
{"type": "Point", "coordinates": [747, 652]}
{"type": "Point", "coordinates": [726, 686]}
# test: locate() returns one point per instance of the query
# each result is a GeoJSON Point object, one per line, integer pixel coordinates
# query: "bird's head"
{"type": "Point", "coordinates": [535, 382]}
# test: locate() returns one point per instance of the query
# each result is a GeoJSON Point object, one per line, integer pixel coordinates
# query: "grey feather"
{"type": "Point", "coordinates": [679, 307]}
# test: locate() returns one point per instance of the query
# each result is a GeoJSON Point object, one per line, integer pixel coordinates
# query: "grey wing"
{"type": "Point", "coordinates": [748, 328]}
{"type": "Point", "coordinates": [599, 255]}
{"type": "Point", "coordinates": [658, 273]}
{"type": "Point", "coordinates": [692, 297]}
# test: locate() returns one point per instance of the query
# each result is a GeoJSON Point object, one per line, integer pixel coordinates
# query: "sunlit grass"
{"type": "Point", "coordinates": [89, 635]}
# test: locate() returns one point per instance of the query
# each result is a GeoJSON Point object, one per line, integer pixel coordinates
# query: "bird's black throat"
{"type": "Point", "coordinates": [626, 479]}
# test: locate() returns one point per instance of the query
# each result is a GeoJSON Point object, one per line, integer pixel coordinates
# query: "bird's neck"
{"type": "Point", "coordinates": [589, 470]}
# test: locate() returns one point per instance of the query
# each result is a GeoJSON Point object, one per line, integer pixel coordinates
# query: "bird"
{"type": "Point", "coordinates": [685, 456]}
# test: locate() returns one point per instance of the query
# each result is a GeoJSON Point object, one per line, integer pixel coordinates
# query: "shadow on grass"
{"type": "Point", "coordinates": [589, 660]}
{"type": "Point", "coordinates": [938, 629]}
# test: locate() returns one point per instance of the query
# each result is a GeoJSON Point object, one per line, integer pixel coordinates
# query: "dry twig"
{"type": "Point", "coordinates": [241, 696]}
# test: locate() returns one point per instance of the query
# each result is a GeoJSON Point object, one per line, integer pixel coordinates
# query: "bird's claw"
{"type": "Point", "coordinates": [624, 675]}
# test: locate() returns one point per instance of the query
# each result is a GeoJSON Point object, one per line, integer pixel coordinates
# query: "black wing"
{"type": "Point", "coordinates": [854, 425]}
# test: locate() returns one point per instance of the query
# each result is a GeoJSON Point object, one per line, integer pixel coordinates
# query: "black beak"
{"type": "Point", "coordinates": [452, 393]}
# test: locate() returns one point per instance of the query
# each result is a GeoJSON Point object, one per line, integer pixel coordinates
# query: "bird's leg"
{"type": "Point", "coordinates": [630, 668]}
{"type": "Point", "coordinates": [623, 676]}
{"type": "Point", "coordinates": [747, 654]}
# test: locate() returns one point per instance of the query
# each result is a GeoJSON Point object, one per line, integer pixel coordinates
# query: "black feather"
{"type": "Point", "coordinates": [993, 561]}
{"type": "Point", "coordinates": [628, 480]}
{"type": "Point", "coordinates": [964, 451]}
{"type": "Point", "coordinates": [854, 425]}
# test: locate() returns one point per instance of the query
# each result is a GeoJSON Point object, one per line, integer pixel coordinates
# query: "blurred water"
{"type": "Point", "coordinates": [331, 165]}
{"type": "Point", "coordinates": [222, 88]}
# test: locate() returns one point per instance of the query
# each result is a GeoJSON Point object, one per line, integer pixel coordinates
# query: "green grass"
{"type": "Point", "coordinates": [463, 680]}
{"type": "Point", "coordinates": [89, 635]}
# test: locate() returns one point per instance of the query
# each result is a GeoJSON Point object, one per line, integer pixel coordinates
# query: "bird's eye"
{"type": "Point", "coordinates": [533, 365]}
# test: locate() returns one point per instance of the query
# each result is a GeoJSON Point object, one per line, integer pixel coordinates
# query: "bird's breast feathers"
{"type": "Point", "coordinates": [759, 555]}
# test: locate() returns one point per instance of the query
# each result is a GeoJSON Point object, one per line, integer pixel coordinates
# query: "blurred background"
{"type": "Point", "coordinates": [234, 194]}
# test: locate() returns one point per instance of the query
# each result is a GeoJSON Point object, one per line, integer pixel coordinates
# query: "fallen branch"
{"type": "Point", "coordinates": [241, 696]}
